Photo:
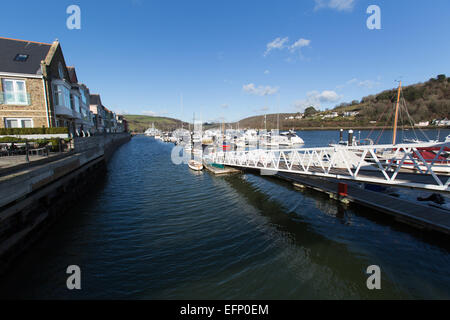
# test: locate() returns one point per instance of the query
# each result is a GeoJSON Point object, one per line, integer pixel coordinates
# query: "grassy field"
{"type": "Point", "coordinates": [140, 123]}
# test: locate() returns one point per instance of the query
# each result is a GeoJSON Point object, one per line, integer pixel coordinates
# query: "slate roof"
{"type": "Point", "coordinates": [95, 99]}
{"type": "Point", "coordinates": [10, 48]}
{"type": "Point", "coordinates": [72, 74]}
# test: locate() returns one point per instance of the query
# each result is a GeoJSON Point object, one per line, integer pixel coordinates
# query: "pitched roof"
{"type": "Point", "coordinates": [95, 99]}
{"type": "Point", "coordinates": [72, 74]}
{"type": "Point", "coordinates": [10, 48]}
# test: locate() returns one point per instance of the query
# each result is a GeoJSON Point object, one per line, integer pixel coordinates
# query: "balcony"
{"type": "Point", "coordinates": [64, 111]}
{"type": "Point", "coordinates": [15, 98]}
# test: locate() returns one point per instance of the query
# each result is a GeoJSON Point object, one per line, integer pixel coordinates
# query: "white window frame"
{"type": "Point", "coordinates": [64, 93]}
{"type": "Point", "coordinates": [75, 106]}
{"type": "Point", "coordinates": [15, 92]}
{"type": "Point", "coordinates": [83, 96]}
{"type": "Point", "coordinates": [20, 122]}
{"type": "Point", "coordinates": [61, 71]}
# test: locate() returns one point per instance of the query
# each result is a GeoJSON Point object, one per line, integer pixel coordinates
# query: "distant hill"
{"type": "Point", "coordinates": [425, 102]}
{"type": "Point", "coordinates": [140, 123]}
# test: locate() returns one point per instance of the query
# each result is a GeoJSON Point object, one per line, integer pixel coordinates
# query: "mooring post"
{"type": "Point", "coordinates": [342, 189]}
{"type": "Point", "coordinates": [27, 158]}
{"type": "Point", "coordinates": [350, 138]}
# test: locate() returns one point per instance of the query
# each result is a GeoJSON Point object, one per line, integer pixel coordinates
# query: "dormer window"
{"type": "Point", "coordinates": [21, 57]}
{"type": "Point", "coordinates": [61, 71]}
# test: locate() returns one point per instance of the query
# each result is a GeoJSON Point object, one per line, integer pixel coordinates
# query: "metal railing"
{"type": "Point", "coordinates": [27, 149]}
{"type": "Point", "coordinates": [424, 165]}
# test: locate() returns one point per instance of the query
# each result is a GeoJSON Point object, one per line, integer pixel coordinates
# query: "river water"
{"type": "Point", "coordinates": [155, 230]}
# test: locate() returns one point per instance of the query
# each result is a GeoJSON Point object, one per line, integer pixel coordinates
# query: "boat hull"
{"type": "Point", "coordinates": [195, 165]}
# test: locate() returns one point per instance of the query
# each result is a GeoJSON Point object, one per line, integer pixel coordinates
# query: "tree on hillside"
{"type": "Point", "coordinates": [310, 111]}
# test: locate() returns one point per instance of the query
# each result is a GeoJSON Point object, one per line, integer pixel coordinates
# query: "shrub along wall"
{"type": "Point", "coordinates": [27, 131]}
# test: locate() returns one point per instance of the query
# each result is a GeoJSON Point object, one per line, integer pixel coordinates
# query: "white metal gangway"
{"type": "Point", "coordinates": [418, 165]}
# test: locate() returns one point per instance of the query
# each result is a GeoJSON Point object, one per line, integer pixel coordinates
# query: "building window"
{"type": "Point", "coordinates": [61, 71]}
{"type": "Point", "coordinates": [62, 96]}
{"type": "Point", "coordinates": [76, 103]}
{"type": "Point", "coordinates": [21, 57]}
{"type": "Point", "coordinates": [15, 92]}
{"type": "Point", "coordinates": [18, 123]}
{"type": "Point", "coordinates": [60, 123]}
{"type": "Point", "coordinates": [83, 96]}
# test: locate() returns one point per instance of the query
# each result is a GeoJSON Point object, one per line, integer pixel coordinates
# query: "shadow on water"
{"type": "Point", "coordinates": [334, 256]}
{"type": "Point", "coordinates": [45, 246]}
{"type": "Point", "coordinates": [344, 213]}
{"type": "Point", "coordinates": [413, 262]}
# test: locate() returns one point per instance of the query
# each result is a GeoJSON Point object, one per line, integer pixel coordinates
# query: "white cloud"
{"type": "Point", "coordinates": [263, 109]}
{"type": "Point", "coordinates": [316, 98]}
{"type": "Point", "coordinates": [327, 96]}
{"type": "Point", "coordinates": [149, 113]}
{"type": "Point", "coordinates": [260, 90]}
{"type": "Point", "coordinates": [154, 113]}
{"type": "Point", "coordinates": [266, 72]}
{"type": "Point", "coordinates": [300, 43]}
{"type": "Point", "coordinates": [278, 44]}
{"type": "Point", "coordinates": [369, 84]}
{"type": "Point", "coordinates": [339, 5]}
{"type": "Point", "coordinates": [283, 43]}
{"type": "Point", "coordinates": [120, 111]}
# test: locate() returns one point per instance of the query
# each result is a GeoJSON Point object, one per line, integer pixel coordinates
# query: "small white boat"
{"type": "Point", "coordinates": [293, 137]}
{"type": "Point", "coordinates": [195, 165]}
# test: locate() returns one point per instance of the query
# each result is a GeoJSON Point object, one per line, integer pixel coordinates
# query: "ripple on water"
{"type": "Point", "coordinates": [155, 230]}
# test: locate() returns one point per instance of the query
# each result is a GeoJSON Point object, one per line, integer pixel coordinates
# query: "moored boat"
{"type": "Point", "coordinates": [195, 165]}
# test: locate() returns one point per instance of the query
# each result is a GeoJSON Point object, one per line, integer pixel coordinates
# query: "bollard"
{"type": "Point", "coordinates": [350, 138]}
{"type": "Point", "coordinates": [342, 190]}
{"type": "Point", "coordinates": [27, 158]}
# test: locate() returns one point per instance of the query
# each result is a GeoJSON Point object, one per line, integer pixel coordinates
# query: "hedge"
{"type": "Point", "coordinates": [23, 131]}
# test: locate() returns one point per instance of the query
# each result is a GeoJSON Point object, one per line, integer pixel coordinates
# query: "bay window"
{"type": "Point", "coordinates": [76, 103]}
{"type": "Point", "coordinates": [62, 96]}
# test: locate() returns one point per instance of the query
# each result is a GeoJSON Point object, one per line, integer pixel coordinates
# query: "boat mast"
{"type": "Point", "coordinates": [181, 100]}
{"type": "Point", "coordinates": [278, 114]}
{"type": "Point", "coordinates": [394, 138]}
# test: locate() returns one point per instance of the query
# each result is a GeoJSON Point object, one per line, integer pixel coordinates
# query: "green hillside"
{"type": "Point", "coordinates": [424, 101]}
{"type": "Point", "coordinates": [140, 123]}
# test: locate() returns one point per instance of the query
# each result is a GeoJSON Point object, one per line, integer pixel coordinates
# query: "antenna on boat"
{"type": "Point", "coordinates": [278, 114]}
{"type": "Point", "coordinates": [394, 138]}
{"type": "Point", "coordinates": [181, 101]}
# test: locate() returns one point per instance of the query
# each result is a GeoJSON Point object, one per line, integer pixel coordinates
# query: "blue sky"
{"type": "Point", "coordinates": [234, 59]}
